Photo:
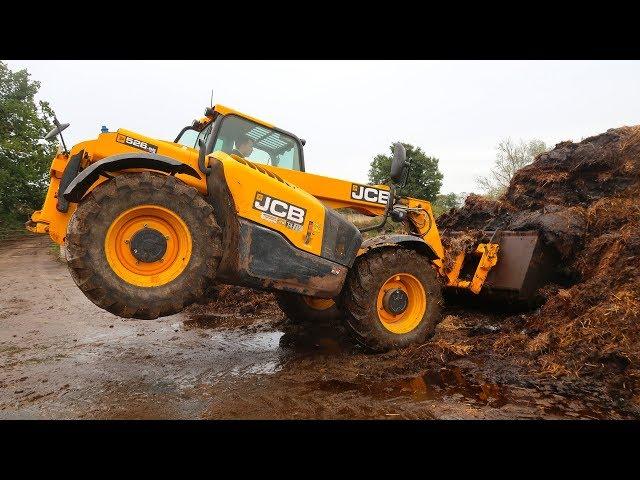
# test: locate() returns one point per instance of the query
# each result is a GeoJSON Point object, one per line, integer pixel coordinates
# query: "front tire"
{"type": "Point", "coordinates": [392, 298]}
{"type": "Point", "coordinates": [143, 245]}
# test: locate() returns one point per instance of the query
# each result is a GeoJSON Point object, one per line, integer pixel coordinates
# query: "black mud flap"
{"type": "Point", "coordinates": [340, 239]}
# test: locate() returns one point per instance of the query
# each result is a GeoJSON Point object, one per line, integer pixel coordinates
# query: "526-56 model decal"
{"type": "Point", "coordinates": [369, 194]}
{"type": "Point", "coordinates": [135, 143]}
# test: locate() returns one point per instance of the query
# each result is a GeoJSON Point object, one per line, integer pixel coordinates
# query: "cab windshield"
{"type": "Point", "coordinates": [257, 143]}
{"type": "Point", "coordinates": [250, 140]}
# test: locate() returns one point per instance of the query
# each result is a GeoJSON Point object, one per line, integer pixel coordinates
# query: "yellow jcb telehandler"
{"type": "Point", "coordinates": [151, 225]}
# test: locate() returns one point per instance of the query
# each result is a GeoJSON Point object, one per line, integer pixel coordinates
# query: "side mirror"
{"type": "Point", "coordinates": [399, 162]}
{"type": "Point", "coordinates": [55, 131]}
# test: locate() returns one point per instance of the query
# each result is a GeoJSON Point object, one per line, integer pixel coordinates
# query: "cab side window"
{"type": "Point", "coordinates": [188, 138]}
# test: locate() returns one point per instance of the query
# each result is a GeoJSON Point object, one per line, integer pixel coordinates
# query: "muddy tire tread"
{"type": "Point", "coordinates": [358, 298]}
{"type": "Point", "coordinates": [113, 298]}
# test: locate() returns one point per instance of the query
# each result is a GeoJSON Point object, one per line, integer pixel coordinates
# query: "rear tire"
{"type": "Point", "coordinates": [154, 283]}
{"type": "Point", "coordinates": [377, 274]}
{"type": "Point", "coordinates": [301, 309]}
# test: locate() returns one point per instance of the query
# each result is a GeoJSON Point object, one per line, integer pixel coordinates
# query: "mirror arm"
{"type": "Point", "coordinates": [390, 202]}
{"type": "Point", "coordinates": [201, 156]}
{"type": "Point", "coordinates": [57, 124]}
{"type": "Point", "coordinates": [181, 132]}
{"type": "Point", "coordinates": [406, 176]}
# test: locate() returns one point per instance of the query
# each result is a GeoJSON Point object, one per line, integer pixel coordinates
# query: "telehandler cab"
{"type": "Point", "coordinates": [151, 225]}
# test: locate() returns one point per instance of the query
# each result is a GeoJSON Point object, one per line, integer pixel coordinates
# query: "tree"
{"type": "Point", "coordinates": [509, 159]}
{"type": "Point", "coordinates": [446, 201]}
{"type": "Point", "coordinates": [24, 161]}
{"type": "Point", "coordinates": [424, 177]}
{"type": "Point", "coordinates": [451, 200]}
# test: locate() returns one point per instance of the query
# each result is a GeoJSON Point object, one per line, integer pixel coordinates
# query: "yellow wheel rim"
{"type": "Point", "coordinates": [117, 246]}
{"type": "Point", "coordinates": [411, 317]}
{"type": "Point", "coordinates": [318, 303]}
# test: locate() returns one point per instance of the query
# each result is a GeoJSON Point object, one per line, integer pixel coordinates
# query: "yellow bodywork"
{"type": "Point", "coordinates": [243, 183]}
{"type": "Point", "coordinates": [244, 179]}
{"type": "Point", "coordinates": [50, 220]}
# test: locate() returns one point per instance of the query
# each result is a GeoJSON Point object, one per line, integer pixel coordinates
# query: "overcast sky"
{"type": "Point", "coordinates": [349, 111]}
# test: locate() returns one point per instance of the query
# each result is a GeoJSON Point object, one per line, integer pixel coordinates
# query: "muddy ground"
{"type": "Point", "coordinates": [62, 357]}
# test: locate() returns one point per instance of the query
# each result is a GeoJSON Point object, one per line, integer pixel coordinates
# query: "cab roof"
{"type": "Point", "coordinates": [223, 110]}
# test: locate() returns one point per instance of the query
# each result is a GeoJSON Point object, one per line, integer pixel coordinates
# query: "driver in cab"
{"type": "Point", "coordinates": [244, 146]}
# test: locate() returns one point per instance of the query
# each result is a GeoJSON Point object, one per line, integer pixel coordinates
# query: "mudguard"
{"type": "Point", "coordinates": [82, 182]}
{"type": "Point", "coordinates": [411, 241]}
{"type": "Point", "coordinates": [70, 172]}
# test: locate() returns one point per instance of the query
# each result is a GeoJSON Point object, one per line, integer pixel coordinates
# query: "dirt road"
{"type": "Point", "coordinates": [63, 357]}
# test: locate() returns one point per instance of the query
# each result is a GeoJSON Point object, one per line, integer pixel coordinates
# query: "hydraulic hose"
{"type": "Point", "coordinates": [390, 202]}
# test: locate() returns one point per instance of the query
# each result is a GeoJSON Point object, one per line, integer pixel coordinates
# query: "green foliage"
{"type": "Point", "coordinates": [24, 161]}
{"type": "Point", "coordinates": [11, 226]}
{"type": "Point", "coordinates": [446, 201]}
{"type": "Point", "coordinates": [424, 180]}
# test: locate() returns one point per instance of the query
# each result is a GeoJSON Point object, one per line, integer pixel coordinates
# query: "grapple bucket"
{"type": "Point", "coordinates": [504, 265]}
{"type": "Point", "coordinates": [524, 265]}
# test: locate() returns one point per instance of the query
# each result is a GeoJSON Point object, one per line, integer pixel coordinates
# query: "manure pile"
{"type": "Point", "coordinates": [584, 200]}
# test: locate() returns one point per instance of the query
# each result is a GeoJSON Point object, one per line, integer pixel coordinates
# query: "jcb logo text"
{"type": "Point", "coordinates": [369, 194]}
{"type": "Point", "coordinates": [279, 208]}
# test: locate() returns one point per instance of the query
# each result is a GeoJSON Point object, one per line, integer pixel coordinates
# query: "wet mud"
{"type": "Point", "coordinates": [239, 357]}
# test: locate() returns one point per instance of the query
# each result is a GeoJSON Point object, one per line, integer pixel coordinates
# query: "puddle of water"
{"type": "Point", "coordinates": [241, 354]}
{"type": "Point", "coordinates": [444, 383]}
{"type": "Point", "coordinates": [250, 342]}
{"type": "Point", "coordinates": [317, 338]}
{"type": "Point", "coordinates": [244, 351]}
{"type": "Point", "coordinates": [452, 384]}
{"type": "Point", "coordinates": [295, 339]}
